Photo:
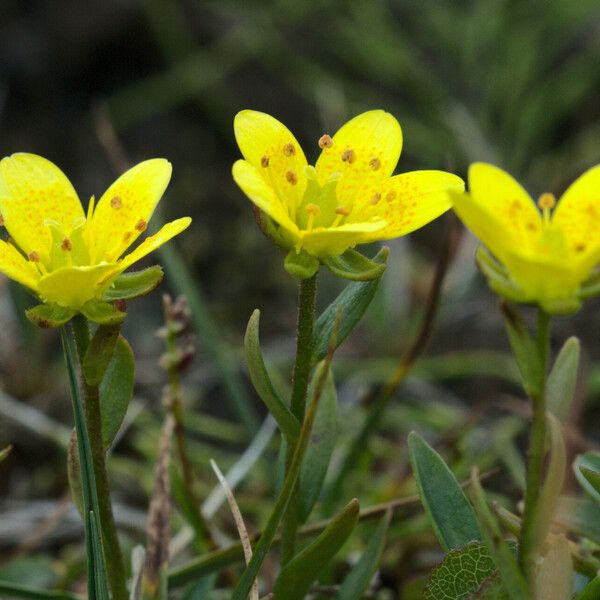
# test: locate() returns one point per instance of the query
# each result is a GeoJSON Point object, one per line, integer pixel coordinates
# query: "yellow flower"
{"type": "Point", "coordinates": [64, 257]}
{"type": "Point", "coordinates": [549, 249]}
{"type": "Point", "coordinates": [349, 196]}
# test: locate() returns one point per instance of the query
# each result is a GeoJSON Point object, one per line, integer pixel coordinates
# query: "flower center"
{"type": "Point", "coordinates": [319, 206]}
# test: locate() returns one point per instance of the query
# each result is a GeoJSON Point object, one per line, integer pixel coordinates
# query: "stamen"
{"type": "Point", "coordinates": [115, 202]}
{"type": "Point", "coordinates": [348, 155]}
{"type": "Point", "coordinates": [292, 177]}
{"type": "Point", "coordinates": [390, 196]}
{"type": "Point", "coordinates": [34, 256]}
{"type": "Point", "coordinates": [546, 203]}
{"type": "Point", "coordinates": [341, 212]}
{"type": "Point", "coordinates": [141, 225]}
{"type": "Point", "coordinates": [325, 141]}
{"type": "Point", "coordinates": [376, 198]}
{"type": "Point", "coordinates": [289, 149]}
{"type": "Point", "coordinates": [375, 163]}
{"type": "Point", "coordinates": [313, 210]}
{"type": "Point", "coordinates": [264, 161]}
{"type": "Point", "coordinates": [66, 245]}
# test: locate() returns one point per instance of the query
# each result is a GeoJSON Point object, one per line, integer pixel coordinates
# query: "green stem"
{"type": "Point", "coordinates": [93, 418]}
{"type": "Point", "coordinates": [528, 544]}
{"type": "Point", "coordinates": [307, 297]}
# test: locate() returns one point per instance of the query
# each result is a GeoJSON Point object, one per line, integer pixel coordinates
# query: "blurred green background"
{"type": "Point", "coordinates": [88, 84]}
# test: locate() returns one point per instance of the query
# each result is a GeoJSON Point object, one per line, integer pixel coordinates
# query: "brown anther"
{"type": "Point", "coordinates": [66, 245]}
{"type": "Point", "coordinates": [376, 198]}
{"type": "Point", "coordinates": [292, 177]}
{"type": "Point", "coordinates": [375, 163]}
{"type": "Point", "coordinates": [580, 248]}
{"type": "Point", "coordinates": [546, 201]}
{"type": "Point", "coordinates": [313, 209]}
{"type": "Point", "coordinates": [115, 202]}
{"type": "Point", "coordinates": [264, 161]}
{"type": "Point", "coordinates": [342, 210]}
{"type": "Point", "coordinates": [348, 155]}
{"type": "Point", "coordinates": [1, 220]}
{"type": "Point", "coordinates": [289, 149]}
{"type": "Point", "coordinates": [141, 225]}
{"type": "Point", "coordinates": [325, 141]}
{"type": "Point", "coordinates": [34, 256]}
{"type": "Point", "coordinates": [390, 196]}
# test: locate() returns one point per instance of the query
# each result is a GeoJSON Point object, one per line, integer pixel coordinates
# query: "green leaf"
{"type": "Point", "coordinates": [554, 577]}
{"type": "Point", "coordinates": [592, 477]}
{"type": "Point", "coordinates": [102, 313]}
{"type": "Point", "coordinates": [298, 575]}
{"type": "Point", "coordinates": [360, 577]}
{"type": "Point", "coordinates": [499, 549]}
{"type": "Point", "coordinates": [356, 266]}
{"type": "Point", "coordinates": [287, 422]}
{"type": "Point", "coordinates": [591, 590]}
{"type": "Point", "coordinates": [562, 380]}
{"type": "Point", "coordinates": [584, 465]}
{"type": "Point", "coordinates": [50, 315]}
{"type": "Point", "coordinates": [354, 301]}
{"type": "Point", "coordinates": [5, 452]}
{"type": "Point", "coordinates": [579, 516]}
{"type": "Point", "coordinates": [460, 574]}
{"type": "Point", "coordinates": [449, 511]}
{"type": "Point", "coordinates": [320, 445]}
{"type": "Point", "coordinates": [525, 351]}
{"type": "Point", "coordinates": [136, 283]}
{"type": "Point", "coordinates": [301, 265]}
{"type": "Point", "coordinates": [99, 353]}
{"type": "Point", "coordinates": [74, 474]}
{"type": "Point", "coordinates": [491, 589]}
{"type": "Point", "coordinates": [15, 590]}
{"type": "Point", "coordinates": [116, 390]}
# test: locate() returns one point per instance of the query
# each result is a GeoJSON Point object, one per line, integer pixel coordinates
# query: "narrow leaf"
{"type": "Point", "coordinates": [356, 266]}
{"type": "Point", "coordinates": [503, 556]}
{"type": "Point", "coordinates": [449, 511]}
{"type": "Point", "coordinates": [354, 301]}
{"type": "Point", "coordinates": [136, 283]}
{"type": "Point", "coordinates": [562, 380]}
{"type": "Point", "coordinates": [116, 390]}
{"type": "Point", "coordinates": [8, 589]}
{"type": "Point", "coordinates": [262, 383]}
{"type": "Point", "coordinates": [362, 573]}
{"type": "Point", "coordinates": [49, 315]}
{"type": "Point", "coordinates": [591, 590]}
{"type": "Point", "coordinates": [320, 446]}
{"type": "Point", "coordinates": [584, 465]}
{"type": "Point", "coordinates": [298, 575]}
{"type": "Point", "coordinates": [554, 578]}
{"type": "Point", "coordinates": [74, 474]}
{"type": "Point", "coordinates": [99, 353]}
{"type": "Point", "coordinates": [5, 452]}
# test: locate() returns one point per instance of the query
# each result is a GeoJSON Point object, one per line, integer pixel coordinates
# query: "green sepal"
{"type": "Point", "coordinates": [498, 277]}
{"type": "Point", "coordinates": [136, 283]}
{"type": "Point", "coordinates": [591, 287]}
{"type": "Point", "coordinates": [353, 301]}
{"type": "Point", "coordinates": [99, 353]}
{"type": "Point", "coordinates": [102, 313]}
{"type": "Point", "coordinates": [288, 423]}
{"type": "Point", "coordinates": [50, 315]}
{"type": "Point", "coordinates": [301, 265]}
{"type": "Point", "coordinates": [298, 575]}
{"type": "Point", "coordinates": [564, 307]}
{"type": "Point", "coordinates": [356, 266]}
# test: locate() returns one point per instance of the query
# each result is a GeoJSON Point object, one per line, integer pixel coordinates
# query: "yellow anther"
{"type": "Point", "coordinates": [66, 245]}
{"type": "Point", "coordinates": [375, 163]}
{"type": "Point", "coordinates": [264, 161]}
{"type": "Point", "coordinates": [115, 202]}
{"type": "Point", "coordinates": [292, 177]}
{"type": "Point", "coordinates": [348, 155]}
{"type": "Point", "coordinates": [325, 141]}
{"type": "Point", "coordinates": [376, 198]}
{"type": "Point", "coordinates": [546, 201]}
{"type": "Point", "coordinates": [289, 149]}
{"type": "Point", "coordinates": [342, 210]}
{"type": "Point", "coordinates": [312, 210]}
{"type": "Point", "coordinates": [390, 196]}
{"type": "Point", "coordinates": [141, 225]}
{"type": "Point", "coordinates": [34, 256]}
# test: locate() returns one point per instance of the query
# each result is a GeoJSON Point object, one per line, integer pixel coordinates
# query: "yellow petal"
{"type": "Point", "coordinates": [263, 195]}
{"type": "Point", "coordinates": [72, 287]}
{"type": "Point", "coordinates": [505, 200]}
{"type": "Point", "coordinates": [16, 267]}
{"type": "Point", "coordinates": [124, 210]}
{"type": "Point", "coordinates": [365, 150]}
{"type": "Point", "coordinates": [32, 189]}
{"type": "Point", "coordinates": [407, 201]}
{"type": "Point", "coordinates": [272, 149]}
{"type": "Point", "coordinates": [333, 241]}
{"type": "Point", "coordinates": [165, 233]}
{"type": "Point", "coordinates": [578, 214]}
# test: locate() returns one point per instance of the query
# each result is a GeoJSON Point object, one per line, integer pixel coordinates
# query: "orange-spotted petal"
{"type": "Point", "coordinates": [33, 190]}
{"type": "Point", "coordinates": [13, 265]}
{"type": "Point", "coordinates": [407, 201]}
{"type": "Point", "coordinates": [270, 147]}
{"type": "Point", "coordinates": [123, 212]}
{"type": "Point", "coordinates": [333, 241]}
{"type": "Point", "coordinates": [364, 151]}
